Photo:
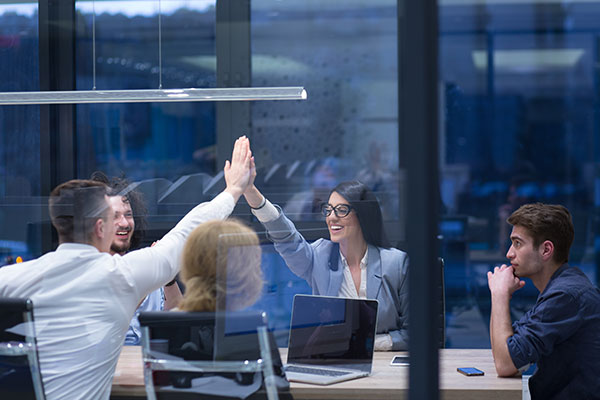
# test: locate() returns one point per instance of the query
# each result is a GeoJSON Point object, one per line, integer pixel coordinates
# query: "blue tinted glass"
{"type": "Point", "coordinates": [518, 91]}
{"type": "Point", "coordinates": [20, 204]}
{"type": "Point", "coordinates": [146, 141]}
{"type": "Point", "coordinates": [345, 55]}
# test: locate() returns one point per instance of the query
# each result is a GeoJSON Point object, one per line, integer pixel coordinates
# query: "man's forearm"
{"type": "Point", "coordinates": [500, 331]}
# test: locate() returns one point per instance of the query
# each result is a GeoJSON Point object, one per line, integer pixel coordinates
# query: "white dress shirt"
{"type": "Point", "coordinates": [348, 288]}
{"type": "Point", "coordinates": [155, 301]}
{"type": "Point", "coordinates": [83, 301]}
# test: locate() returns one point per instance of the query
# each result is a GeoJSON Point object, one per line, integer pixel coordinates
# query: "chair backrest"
{"type": "Point", "coordinates": [209, 354]}
{"type": "Point", "coordinates": [19, 365]}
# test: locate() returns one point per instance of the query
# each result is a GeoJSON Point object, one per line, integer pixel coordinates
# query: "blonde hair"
{"type": "Point", "coordinates": [221, 267]}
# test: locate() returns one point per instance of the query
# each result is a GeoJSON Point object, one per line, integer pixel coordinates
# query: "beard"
{"type": "Point", "coordinates": [120, 248]}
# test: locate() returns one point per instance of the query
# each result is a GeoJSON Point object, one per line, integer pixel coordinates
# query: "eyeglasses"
{"type": "Point", "coordinates": [341, 210]}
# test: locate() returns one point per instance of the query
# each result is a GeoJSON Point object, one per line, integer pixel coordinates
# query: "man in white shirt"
{"type": "Point", "coordinates": [84, 297]}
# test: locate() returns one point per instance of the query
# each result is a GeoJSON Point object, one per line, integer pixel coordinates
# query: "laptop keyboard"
{"type": "Point", "coordinates": [314, 371]}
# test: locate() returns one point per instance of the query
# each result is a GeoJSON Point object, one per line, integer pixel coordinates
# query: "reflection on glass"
{"type": "Point", "coordinates": [346, 55]}
{"type": "Point", "coordinates": [519, 94]}
{"type": "Point", "coordinates": [146, 141]}
{"type": "Point", "coordinates": [20, 204]}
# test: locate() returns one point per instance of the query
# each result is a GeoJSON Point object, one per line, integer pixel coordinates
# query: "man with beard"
{"type": "Point", "coordinates": [561, 333]}
{"type": "Point", "coordinates": [130, 224]}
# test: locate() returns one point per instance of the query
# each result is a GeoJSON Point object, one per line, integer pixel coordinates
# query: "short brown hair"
{"type": "Point", "coordinates": [221, 267]}
{"type": "Point", "coordinates": [74, 208]}
{"type": "Point", "coordinates": [547, 222]}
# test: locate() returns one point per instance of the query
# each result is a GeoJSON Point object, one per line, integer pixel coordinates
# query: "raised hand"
{"type": "Point", "coordinates": [252, 173]}
{"type": "Point", "coordinates": [253, 196]}
{"type": "Point", "coordinates": [238, 171]}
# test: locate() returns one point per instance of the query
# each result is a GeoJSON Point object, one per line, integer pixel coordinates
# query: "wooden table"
{"type": "Point", "coordinates": [386, 382]}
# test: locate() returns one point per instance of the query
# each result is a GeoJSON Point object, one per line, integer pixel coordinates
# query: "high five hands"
{"type": "Point", "coordinates": [240, 172]}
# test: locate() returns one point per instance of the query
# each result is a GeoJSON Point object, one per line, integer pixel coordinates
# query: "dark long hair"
{"type": "Point", "coordinates": [365, 204]}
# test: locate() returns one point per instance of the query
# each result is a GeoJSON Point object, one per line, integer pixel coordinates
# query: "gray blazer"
{"type": "Point", "coordinates": [387, 275]}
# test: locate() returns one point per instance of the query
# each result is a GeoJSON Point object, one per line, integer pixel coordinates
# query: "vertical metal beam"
{"type": "Point", "coordinates": [596, 149]}
{"type": "Point", "coordinates": [58, 160]}
{"type": "Point", "coordinates": [418, 63]}
{"type": "Point", "coordinates": [233, 70]}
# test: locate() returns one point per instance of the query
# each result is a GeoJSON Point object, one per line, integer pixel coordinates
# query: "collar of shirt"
{"type": "Point", "coordinates": [348, 288]}
{"type": "Point", "coordinates": [76, 246]}
{"type": "Point", "coordinates": [363, 261]}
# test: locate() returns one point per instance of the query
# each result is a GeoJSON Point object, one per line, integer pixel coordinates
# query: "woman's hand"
{"type": "Point", "coordinates": [238, 172]}
{"type": "Point", "coordinates": [253, 196]}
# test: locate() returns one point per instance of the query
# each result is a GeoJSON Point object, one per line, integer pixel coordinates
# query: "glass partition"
{"type": "Point", "coordinates": [519, 91]}
{"type": "Point", "coordinates": [346, 53]}
{"type": "Point", "coordinates": [120, 46]}
{"type": "Point", "coordinates": [19, 134]}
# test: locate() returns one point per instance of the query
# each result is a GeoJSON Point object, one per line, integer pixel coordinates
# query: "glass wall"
{"type": "Point", "coordinates": [518, 123]}
{"type": "Point", "coordinates": [345, 53]}
{"type": "Point", "coordinates": [519, 94]}
{"type": "Point", "coordinates": [347, 129]}
{"type": "Point", "coordinates": [19, 132]}
{"type": "Point", "coordinates": [119, 46]}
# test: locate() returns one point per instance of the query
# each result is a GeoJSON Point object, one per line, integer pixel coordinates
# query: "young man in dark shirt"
{"type": "Point", "coordinates": [561, 333]}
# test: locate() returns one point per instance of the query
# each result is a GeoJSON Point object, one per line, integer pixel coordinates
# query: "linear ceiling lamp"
{"type": "Point", "coordinates": [148, 95]}
{"type": "Point", "coordinates": [152, 95]}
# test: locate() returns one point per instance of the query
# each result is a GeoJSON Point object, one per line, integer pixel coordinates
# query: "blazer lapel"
{"type": "Point", "coordinates": [373, 272]}
{"type": "Point", "coordinates": [335, 282]}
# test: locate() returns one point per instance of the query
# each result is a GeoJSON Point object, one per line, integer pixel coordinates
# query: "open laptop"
{"type": "Point", "coordinates": [331, 339]}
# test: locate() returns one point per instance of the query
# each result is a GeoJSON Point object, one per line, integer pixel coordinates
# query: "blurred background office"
{"type": "Point", "coordinates": [518, 121]}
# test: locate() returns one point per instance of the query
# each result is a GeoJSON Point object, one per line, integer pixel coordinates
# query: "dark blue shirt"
{"type": "Point", "coordinates": [561, 333]}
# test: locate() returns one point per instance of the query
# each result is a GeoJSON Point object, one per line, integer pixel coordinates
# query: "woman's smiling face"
{"type": "Point", "coordinates": [343, 229]}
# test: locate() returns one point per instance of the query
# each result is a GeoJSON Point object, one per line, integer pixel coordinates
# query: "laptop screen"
{"type": "Point", "coordinates": [333, 331]}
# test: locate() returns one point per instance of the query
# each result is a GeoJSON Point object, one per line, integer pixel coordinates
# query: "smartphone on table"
{"type": "Point", "coordinates": [470, 371]}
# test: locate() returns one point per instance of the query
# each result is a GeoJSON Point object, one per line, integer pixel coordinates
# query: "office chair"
{"type": "Point", "coordinates": [210, 355]}
{"type": "Point", "coordinates": [20, 376]}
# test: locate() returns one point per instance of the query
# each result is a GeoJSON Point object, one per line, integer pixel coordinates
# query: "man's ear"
{"type": "Point", "coordinates": [547, 250]}
{"type": "Point", "coordinates": [99, 228]}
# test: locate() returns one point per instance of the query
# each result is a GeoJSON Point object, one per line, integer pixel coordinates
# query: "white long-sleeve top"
{"type": "Point", "coordinates": [83, 301]}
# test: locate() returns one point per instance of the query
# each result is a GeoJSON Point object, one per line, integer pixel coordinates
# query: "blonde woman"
{"type": "Point", "coordinates": [221, 267]}
{"type": "Point", "coordinates": [221, 271]}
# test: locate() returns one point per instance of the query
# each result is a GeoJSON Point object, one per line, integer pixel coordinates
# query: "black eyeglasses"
{"type": "Point", "coordinates": [341, 210]}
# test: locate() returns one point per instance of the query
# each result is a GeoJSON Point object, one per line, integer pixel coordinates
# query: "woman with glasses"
{"type": "Point", "coordinates": [357, 261]}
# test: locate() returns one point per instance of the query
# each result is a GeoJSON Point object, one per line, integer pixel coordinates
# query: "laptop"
{"type": "Point", "coordinates": [331, 339]}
